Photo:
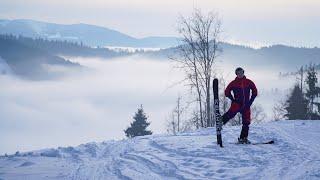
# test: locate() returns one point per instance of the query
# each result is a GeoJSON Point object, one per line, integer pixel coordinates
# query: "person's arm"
{"type": "Point", "coordinates": [227, 92]}
{"type": "Point", "coordinates": [254, 93]}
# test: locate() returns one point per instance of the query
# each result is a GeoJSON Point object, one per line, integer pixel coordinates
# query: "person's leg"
{"type": "Point", "coordinates": [246, 120]}
{"type": "Point", "coordinates": [233, 110]}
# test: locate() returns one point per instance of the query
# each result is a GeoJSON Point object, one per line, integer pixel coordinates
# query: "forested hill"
{"type": "Point", "coordinates": [29, 61]}
{"type": "Point", "coordinates": [27, 56]}
{"type": "Point", "coordinates": [66, 48]}
{"type": "Point", "coordinates": [285, 57]}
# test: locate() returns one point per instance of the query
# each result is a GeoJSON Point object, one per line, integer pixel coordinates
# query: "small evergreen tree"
{"type": "Point", "coordinates": [296, 105]}
{"type": "Point", "coordinates": [313, 91]}
{"type": "Point", "coordinates": [139, 125]}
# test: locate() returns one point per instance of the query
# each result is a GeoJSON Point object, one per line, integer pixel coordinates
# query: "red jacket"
{"type": "Point", "coordinates": [241, 90]}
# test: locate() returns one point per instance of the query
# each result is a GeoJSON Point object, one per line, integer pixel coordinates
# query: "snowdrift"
{"type": "Point", "coordinates": [193, 155]}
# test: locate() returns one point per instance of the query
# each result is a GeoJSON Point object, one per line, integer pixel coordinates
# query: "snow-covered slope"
{"type": "Point", "coordinates": [194, 155]}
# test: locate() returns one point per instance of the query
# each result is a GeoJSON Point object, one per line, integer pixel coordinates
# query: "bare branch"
{"type": "Point", "coordinates": [200, 36]}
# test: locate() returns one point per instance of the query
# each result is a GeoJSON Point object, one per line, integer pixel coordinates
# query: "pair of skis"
{"type": "Point", "coordinates": [257, 143]}
{"type": "Point", "coordinates": [219, 122]}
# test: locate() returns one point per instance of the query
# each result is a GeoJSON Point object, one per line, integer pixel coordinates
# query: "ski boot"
{"type": "Point", "coordinates": [243, 141]}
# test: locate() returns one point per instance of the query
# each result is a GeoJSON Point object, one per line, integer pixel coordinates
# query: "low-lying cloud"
{"type": "Point", "coordinates": [94, 105]}
{"type": "Point", "coordinates": [98, 104]}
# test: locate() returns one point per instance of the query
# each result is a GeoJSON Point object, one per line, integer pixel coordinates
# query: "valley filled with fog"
{"type": "Point", "coordinates": [98, 103]}
{"type": "Point", "coordinates": [128, 89]}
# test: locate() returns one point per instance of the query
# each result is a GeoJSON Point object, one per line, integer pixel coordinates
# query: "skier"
{"type": "Point", "coordinates": [240, 102]}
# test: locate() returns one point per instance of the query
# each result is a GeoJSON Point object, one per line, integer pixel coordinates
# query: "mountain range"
{"type": "Point", "coordinates": [95, 36]}
{"type": "Point", "coordinates": [53, 40]}
{"type": "Point", "coordinates": [284, 57]}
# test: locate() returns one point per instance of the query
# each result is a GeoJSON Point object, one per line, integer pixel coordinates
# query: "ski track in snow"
{"type": "Point", "coordinates": [193, 155]}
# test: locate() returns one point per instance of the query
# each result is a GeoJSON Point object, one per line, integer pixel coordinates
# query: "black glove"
{"type": "Point", "coordinates": [251, 100]}
{"type": "Point", "coordinates": [249, 103]}
{"type": "Point", "coordinates": [231, 98]}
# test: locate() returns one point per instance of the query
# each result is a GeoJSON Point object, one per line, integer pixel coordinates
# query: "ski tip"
{"type": "Point", "coordinates": [271, 142]}
{"type": "Point", "coordinates": [257, 143]}
{"type": "Point", "coordinates": [268, 142]}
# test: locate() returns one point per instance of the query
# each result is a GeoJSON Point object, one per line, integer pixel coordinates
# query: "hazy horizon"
{"type": "Point", "coordinates": [247, 22]}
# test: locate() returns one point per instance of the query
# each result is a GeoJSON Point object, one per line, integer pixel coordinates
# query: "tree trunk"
{"type": "Point", "coordinates": [208, 107]}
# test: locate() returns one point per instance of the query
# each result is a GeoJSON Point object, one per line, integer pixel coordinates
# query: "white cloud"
{"type": "Point", "coordinates": [91, 106]}
{"type": "Point", "coordinates": [98, 105]}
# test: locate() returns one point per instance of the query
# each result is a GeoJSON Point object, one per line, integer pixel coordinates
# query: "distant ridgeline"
{"type": "Point", "coordinates": [29, 61]}
{"type": "Point", "coordinates": [280, 56]}
{"type": "Point", "coordinates": [30, 58]}
{"type": "Point", "coordinates": [66, 48]}
{"type": "Point", "coordinates": [26, 55]}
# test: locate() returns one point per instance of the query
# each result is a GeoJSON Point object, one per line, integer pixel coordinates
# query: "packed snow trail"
{"type": "Point", "coordinates": [194, 155]}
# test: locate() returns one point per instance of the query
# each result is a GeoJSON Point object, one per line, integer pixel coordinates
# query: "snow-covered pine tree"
{"type": "Point", "coordinates": [296, 105]}
{"type": "Point", "coordinates": [139, 125]}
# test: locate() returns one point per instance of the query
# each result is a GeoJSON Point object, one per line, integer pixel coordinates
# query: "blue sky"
{"type": "Point", "coordinates": [293, 22]}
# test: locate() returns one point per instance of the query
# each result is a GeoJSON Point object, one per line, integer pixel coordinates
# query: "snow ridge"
{"type": "Point", "coordinates": [192, 155]}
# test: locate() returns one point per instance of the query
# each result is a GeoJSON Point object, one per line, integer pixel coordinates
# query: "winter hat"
{"type": "Point", "coordinates": [239, 70]}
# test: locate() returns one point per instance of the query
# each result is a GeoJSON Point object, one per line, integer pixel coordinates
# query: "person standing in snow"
{"type": "Point", "coordinates": [240, 102]}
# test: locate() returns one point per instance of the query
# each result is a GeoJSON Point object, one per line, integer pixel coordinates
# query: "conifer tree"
{"type": "Point", "coordinates": [313, 91]}
{"type": "Point", "coordinates": [296, 105]}
{"type": "Point", "coordinates": [139, 125]}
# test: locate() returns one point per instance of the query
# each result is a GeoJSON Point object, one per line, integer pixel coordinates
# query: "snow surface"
{"type": "Point", "coordinates": [193, 155]}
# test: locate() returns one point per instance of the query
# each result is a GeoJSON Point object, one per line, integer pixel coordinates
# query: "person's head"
{"type": "Point", "coordinates": [239, 72]}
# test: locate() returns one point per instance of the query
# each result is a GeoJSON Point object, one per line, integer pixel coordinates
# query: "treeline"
{"type": "Point", "coordinates": [304, 100]}
{"type": "Point", "coordinates": [295, 73]}
{"type": "Point", "coordinates": [27, 61]}
{"type": "Point", "coordinates": [29, 57]}
{"type": "Point", "coordinates": [67, 48]}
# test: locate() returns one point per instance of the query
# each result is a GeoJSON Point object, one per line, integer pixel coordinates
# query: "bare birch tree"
{"type": "Point", "coordinates": [176, 123]}
{"type": "Point", "coordinates": [279, 110]}
{"type": "Point", "coordinates": [200, 35]}
{"type": "Point", "coordinates": [257, 114]}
